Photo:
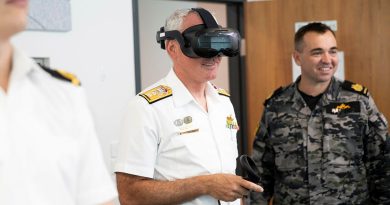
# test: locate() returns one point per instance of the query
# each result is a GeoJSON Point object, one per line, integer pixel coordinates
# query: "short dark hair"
{"type": "Point", "coordinates": [311, 27]}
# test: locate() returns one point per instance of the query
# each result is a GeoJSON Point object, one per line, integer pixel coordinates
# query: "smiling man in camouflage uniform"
{"type": "Point", "coordinates": [322, 140]}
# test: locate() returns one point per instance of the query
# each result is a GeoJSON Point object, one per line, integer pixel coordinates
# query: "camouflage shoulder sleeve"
{"type": "Point", "coordinates": [263, 156]}
{"type": "Point", "coordinates": [276, 93]}
{"type": "Point", "coordinates": [378, 158]}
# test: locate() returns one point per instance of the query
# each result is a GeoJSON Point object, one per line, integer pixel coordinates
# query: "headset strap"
{"type": "Point", "coordinates": [207, 18]}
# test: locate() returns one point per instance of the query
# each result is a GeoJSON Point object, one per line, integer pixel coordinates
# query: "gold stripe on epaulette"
{"type": "Point", "coordinates": [365, 91]}
{"type": "Point", "coordinates": [223, 92]}
{"type": "Point", "coordinates": [73, 79]}
{"type": "Point", "coordinates": [158, 93]}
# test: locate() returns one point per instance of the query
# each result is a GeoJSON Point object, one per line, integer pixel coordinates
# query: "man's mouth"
{"type": "Point", "coordinates": [209, 63]}
{"type": "Point", "coordinates": [325, 69]}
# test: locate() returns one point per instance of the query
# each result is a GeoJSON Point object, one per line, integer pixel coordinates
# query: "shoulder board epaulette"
{"type": "Point", "coordinates": [155, 94]}
{"type": "Point", "coordinates": [274, 94]}
{"type": "Point", "coordinates": [354, 87]}
{"type": "Point", "coordinates": [223, 92]}
{"type": "Point", "coordinates": [62, 75]}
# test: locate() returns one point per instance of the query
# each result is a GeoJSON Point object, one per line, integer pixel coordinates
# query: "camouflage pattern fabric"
{"type": "Point", "coordinates": [337, 153]}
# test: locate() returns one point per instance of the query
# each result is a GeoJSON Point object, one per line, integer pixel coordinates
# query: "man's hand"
{"type": "Point", "coordinates": [140, 190]}
{"type": "Point", "coordinates": [229, 187]}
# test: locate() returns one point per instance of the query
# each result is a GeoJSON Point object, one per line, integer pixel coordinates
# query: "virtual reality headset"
{"type": "Point", "coordinates": [204, 40]}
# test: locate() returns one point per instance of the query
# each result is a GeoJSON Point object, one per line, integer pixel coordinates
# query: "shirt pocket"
{"type": "Point", "coordinates": [192, 152]}
{"type": "Point", "coordinates": [287, 142]}
{"type": "Point", "coordinates": [343, 138]}
{"type": "Point", "coordinates": [183, 139]}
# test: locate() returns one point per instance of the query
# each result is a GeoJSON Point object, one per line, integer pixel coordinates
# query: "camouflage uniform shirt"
{"type": "Point", "coordinates": [337, 153]}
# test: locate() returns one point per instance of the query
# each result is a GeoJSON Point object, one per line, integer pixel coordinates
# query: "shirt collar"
{"type": "Point", "coordinates": [330, 94]}
{"type": "Point", "coordinates": [333, 90]}
{"type": "Point", "coordinates": [21, 65]}
{"type": "Point", "coordinates": [181, 95]}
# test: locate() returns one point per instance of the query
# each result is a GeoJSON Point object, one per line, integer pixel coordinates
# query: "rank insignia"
{"type": "Point", "coordinates": [357, 87]}
{"type": "Point", "coordinates": [72, 78]}
{"type": "Point", "coordinates": [347, 107]}
{"type": "Point", "coordinates": [62, 75]}
{"type": "Point", "coordinates": [158, 93]}
{"type": "Point", "coordinates": [223, 92]}
{"type": "Point", "coordinates": [354, 87]}
{"type": "Point", "coordinates": [231, 123]}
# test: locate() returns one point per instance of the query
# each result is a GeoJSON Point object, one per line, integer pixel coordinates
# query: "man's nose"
{"type": "Point", "coordinates": [326, 58]}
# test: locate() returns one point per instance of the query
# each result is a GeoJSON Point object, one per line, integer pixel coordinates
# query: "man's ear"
{"type": "Point", "coordinates": [171, 47]}
{"type": "Point", "coordinates": [297, 57]}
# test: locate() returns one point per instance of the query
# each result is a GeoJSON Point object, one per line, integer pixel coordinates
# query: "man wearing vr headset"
{"type": "Point", "coordinates": [179, 138]}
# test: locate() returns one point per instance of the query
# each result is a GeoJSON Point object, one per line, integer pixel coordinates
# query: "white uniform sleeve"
{"type": "Point", "coordinates": [138, 143]}
{"type": "Point", "coordinates": [95, 185]}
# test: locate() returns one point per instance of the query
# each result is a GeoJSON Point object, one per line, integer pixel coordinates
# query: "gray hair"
{"type": "Point", "coordinates": [174, 21]}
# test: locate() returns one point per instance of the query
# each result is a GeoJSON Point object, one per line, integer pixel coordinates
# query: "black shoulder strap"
{"type": "Point", "coordinates": [354, 87]}
{"type": "Point", "coordinates": [62, 75]}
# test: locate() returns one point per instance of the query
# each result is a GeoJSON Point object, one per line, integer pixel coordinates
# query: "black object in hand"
{"type": "Point", "coordinates": [249, 166]}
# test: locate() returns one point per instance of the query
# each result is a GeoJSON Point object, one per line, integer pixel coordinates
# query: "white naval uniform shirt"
{"type": "Point", "coordinates": [175, 138]}
{"type": "Point", "coordinates": [49, 152]}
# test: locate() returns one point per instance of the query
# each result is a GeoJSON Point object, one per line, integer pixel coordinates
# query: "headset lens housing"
{"type": "Point", "coordinates": [210, 42]}
{"type": "Point", "coordinates": [213, 42]}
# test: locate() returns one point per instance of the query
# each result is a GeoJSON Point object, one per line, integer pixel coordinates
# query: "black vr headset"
{"type": "Point", "coordinates": [204, 40]}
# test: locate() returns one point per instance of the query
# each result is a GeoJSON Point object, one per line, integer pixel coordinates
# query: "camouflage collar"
{"type": "Point", "coordinates": [330, 94]}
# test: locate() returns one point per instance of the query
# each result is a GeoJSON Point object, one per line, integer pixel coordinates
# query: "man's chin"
{"type": "Point", "coordinates": [324, 79]}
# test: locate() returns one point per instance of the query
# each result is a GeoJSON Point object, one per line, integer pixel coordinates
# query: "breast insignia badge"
{"type": "Point", "coordinates": [231, 123]}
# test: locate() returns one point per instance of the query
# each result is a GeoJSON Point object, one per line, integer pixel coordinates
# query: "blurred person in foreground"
{"type": "Point", "coordinates": [49, 152]}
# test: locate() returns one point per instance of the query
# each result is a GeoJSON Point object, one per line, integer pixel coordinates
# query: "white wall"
{"type": "Point", "coordinates": [155, 62]}
{"type": "Point", "coordinates": [99, 50]}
